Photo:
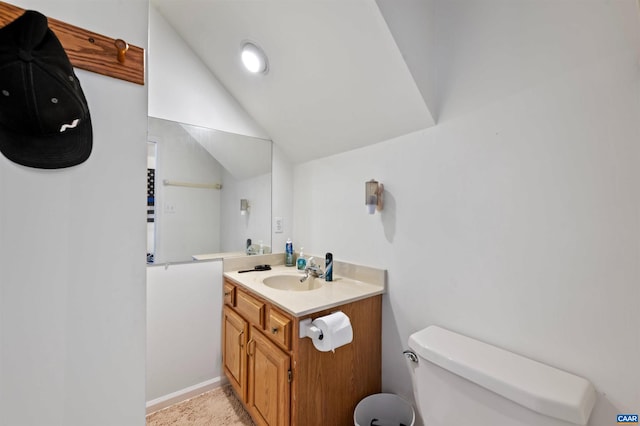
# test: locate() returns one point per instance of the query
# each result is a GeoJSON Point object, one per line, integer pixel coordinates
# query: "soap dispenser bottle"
{"type": "Point", "coordinates": [301, 262]}
{"type": "Point", "coordinates": [288, 253]}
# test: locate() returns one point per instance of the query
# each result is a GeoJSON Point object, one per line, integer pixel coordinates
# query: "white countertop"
{"type": "Point", "coordinates": [299, 303]}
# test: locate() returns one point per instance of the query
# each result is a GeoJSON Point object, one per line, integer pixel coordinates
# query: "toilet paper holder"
{"type": "Point", "coordinates": [307, 329]}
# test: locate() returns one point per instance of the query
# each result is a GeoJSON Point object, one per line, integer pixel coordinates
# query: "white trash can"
{"type": "Point", "coordinates": [384, 409]}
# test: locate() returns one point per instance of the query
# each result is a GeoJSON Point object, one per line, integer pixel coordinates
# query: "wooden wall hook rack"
{"type": "Point", "coordinates": [90, 51]}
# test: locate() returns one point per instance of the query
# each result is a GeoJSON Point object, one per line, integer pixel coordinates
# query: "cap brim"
{"type": "Point", "coordinates": [57, 151]}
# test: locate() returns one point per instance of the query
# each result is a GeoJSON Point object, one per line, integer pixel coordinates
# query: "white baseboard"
{"type": "Point", "coordinates": [184, 394]}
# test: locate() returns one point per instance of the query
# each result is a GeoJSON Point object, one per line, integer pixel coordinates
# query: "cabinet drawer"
{"type": "Point", "coordinates": [229, 294]}
{"type": "Point", "coordinates": [250, 308]}
{"type": "Point", "coordinates": [279, 328]}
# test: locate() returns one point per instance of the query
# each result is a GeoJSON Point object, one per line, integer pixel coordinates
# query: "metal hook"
{"type": "Point", "coordinates": [122, 47]}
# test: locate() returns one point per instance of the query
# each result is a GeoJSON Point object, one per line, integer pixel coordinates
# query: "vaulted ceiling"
{"type": "Point", "coordinates": [337, 78]}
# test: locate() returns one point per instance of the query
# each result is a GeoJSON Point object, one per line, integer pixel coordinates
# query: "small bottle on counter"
{"type": "Point", "coordinates": [301, 262]}
{"type": "Point", "coordinates": [328, 263]}
{"type": "Point", "coordinates": [288, 253]}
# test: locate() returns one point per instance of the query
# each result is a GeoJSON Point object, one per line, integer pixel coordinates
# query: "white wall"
{"type": "Point", "coordinates": [184, 329]}
{"type": "Point", "coordinates": [515, 220]}
{"type": "Point", "coordinates": [282, 198]}
{"type": "Point", "coordinates": [181, 88]}
{"type": "Point", "coordinates": [72, 281]}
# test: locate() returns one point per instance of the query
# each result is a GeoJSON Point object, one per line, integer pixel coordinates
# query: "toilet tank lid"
{"type": "Point", "coordinates": [539, 387]}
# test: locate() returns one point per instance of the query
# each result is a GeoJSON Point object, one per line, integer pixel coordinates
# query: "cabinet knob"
{"type": "Point", "coordinates": [227, 293]}
{"type": "Point", "coordinates": [274, 330]}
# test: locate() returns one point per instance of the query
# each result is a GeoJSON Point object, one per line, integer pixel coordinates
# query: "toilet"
{"type": "Point", "coordinates": [458, 380]}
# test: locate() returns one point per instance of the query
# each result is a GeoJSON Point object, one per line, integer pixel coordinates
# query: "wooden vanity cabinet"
{"type": "Point", "coordinates": [256, 360]}
{"type": "Point", "coordinates": [282, 379]}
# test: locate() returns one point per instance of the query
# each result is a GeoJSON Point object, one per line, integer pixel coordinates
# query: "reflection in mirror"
{"type": "Point", "coordinates": [197, 178]}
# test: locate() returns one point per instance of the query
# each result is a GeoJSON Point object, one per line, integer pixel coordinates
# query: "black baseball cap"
{"type": "Point", "coordinates": [44, 116]}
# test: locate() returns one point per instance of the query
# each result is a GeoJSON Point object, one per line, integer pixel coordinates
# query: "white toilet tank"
{"type": "Point", "coordinates": [462, 381]}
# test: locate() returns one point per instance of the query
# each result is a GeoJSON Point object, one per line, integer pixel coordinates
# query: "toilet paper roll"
{"type": "Point", "coordinates": [336, 331]}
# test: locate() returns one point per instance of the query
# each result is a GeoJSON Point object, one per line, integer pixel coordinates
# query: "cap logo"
{"type": "Point", "coordinates": [73, 124]}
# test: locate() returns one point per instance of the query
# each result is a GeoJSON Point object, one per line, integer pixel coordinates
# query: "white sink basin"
{"type": "Point", "coordinates": [292, 282]}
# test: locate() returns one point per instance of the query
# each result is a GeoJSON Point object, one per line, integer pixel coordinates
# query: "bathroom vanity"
{"type": "Point", "coordinates": [281, 378]}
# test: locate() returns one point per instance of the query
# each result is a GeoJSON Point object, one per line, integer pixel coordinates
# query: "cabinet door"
{"type": "Point", "coordinates": [269, 387]}
{"type": "Point", "coordinates": [234, 359]}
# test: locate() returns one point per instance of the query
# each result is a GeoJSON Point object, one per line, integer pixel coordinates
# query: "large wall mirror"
{"type": "Point", "coordinates": [209, 191]}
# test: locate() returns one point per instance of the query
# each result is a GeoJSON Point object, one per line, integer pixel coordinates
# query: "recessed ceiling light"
{"type": "Point", "coordinates": [254, 58]}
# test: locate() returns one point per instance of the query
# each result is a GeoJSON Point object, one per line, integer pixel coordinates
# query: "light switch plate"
{"type": "Point", "coordinates": [277, 225]}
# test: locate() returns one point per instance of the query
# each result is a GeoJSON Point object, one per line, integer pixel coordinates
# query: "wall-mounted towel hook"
{"type": "Point", "coordinates": [122, 47]}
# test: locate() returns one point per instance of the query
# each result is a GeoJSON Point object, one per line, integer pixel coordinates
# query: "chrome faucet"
{"type": "Point", "coordinates": [312, 270]}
